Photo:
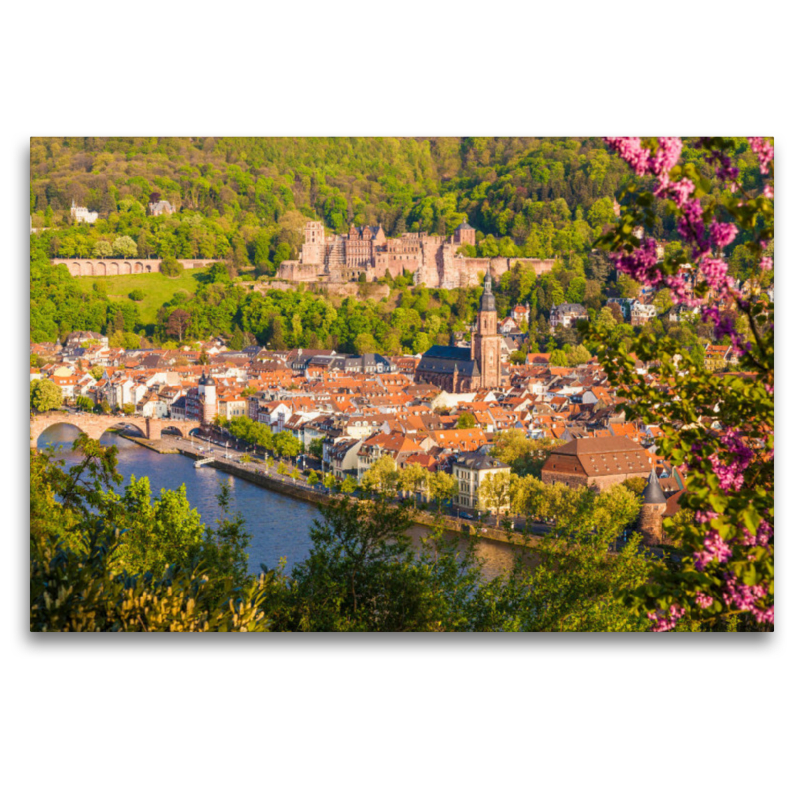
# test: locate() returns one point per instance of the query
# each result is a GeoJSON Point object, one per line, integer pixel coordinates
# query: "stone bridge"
{"type": "Point", "coordinates": [95, 425]}
{"type": "Point", "coordinates": [81, 267]}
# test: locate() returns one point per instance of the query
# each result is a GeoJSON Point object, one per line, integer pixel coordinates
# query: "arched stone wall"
{"type": "Point", "coordinates": [113, 268]}
{"type": "Point", "coordinates": [100, 269]}
{"type": "Point", "coordinates": [125, 268]}
{"type": "Point", "coordinates": [138, 268]}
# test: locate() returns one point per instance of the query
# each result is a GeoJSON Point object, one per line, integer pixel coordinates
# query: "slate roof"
{"type": "Point", "coordinates": [478, 461]}
{"type": "Point", "coordinates": [444, 359]}
{"type": "Point", "coordinates": [652, 492]}
{"type": "Point", "coordinates": [487, 298]}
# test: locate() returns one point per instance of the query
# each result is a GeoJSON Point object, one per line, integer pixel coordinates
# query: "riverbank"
{"type": "Point", "coordinates": [308, 495]}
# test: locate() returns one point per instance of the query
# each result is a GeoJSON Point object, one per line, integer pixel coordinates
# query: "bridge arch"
{"type": "Point", "coordinates": [122, 424]}
{"type": "Point", "coordinates": [42, 429]}
{"type": "Point", "coordinates": [182, 429]}
{"type": "Point", "coordinates": [94, 425]}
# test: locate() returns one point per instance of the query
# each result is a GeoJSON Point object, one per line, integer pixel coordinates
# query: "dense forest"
{"type": "Point", "coordinates": [242, 198]}
{"type": "Point", "coordinates": [243, 201]}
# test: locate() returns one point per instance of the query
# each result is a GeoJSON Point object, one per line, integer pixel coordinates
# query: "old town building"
{"type": "Point", "coordinates": [471, 470]}
{"type": "Point", "coordinates": [597, 462]}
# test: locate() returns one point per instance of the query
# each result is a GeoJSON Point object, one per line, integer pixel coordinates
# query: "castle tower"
{"type": "Point", "coordinates": [654, 504]}
{"type": "Point", "coordinates": [487, 341]}
{"type": "Point", "coordinates": [465, 234]}
{"type": "Point", "coordinates": [208, 398]}
{"type": "Point", "coordinates": [313, 251]}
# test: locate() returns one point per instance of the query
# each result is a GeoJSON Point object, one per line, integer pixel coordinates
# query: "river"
{"type": "Point", "coordinates": [279, 525]}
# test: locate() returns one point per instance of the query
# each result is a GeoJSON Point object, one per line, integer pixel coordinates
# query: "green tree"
{"type": "Point", "coordinates": [525, 456]}
{"type": "Point", "coordinates": [316, 447]}
{"type": "Point", "coordinates": [442, 487]}
{"type": "Point", "coordinates": [171, 267]}
{"type": "Point", "coordinates": [381, 477]}
{"type": "Point", "coordinates": [102, 249]}
{"type": "Point", "coordinates": [45, 396]}
{"type": "Point", "coordinates": [495, 492]}
{"type": "Point", "coordinates": [125, 247]}
{"type": "Point", "coordinates": [348, 485]}
{"type": "Point", "coordinates": [466, 420]}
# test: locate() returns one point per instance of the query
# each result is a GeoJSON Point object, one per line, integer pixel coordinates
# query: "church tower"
{"type": "Point", "coordinates": [486, 341]}
{"type": "Point", "coordinates": [207, 387]}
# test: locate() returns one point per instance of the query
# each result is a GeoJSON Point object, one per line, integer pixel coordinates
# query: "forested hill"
{"type": "Point", "coordinates": [244, 199]}
{"type": "Point", "coordinates": [426, 183]}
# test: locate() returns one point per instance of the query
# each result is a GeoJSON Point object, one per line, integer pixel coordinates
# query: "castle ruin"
{"type": "Point", "coordinates": [433, 260]}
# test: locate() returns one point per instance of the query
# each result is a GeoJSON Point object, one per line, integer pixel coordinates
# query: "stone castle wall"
{"type": "Point", "coordinates": [94, 267]}
{"type": "Point", "coordinates": [432, 260]}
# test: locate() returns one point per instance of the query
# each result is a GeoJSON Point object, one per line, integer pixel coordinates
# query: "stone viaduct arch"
{"type": "Point", "coordinates": [93, 267]}
{"type": "Point", "coordinates": [95, 425]}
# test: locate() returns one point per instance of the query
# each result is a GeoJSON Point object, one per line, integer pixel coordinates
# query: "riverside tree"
{"type": "Point", "coordinates": [45, 395]}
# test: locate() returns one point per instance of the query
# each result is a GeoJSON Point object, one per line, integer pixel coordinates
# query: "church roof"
{"type": "Point", "coordinates": [444, 359]}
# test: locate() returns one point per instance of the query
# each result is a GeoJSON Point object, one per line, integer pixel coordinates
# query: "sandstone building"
{"type": "Point", "coordinates": [599, 463]}
{"type": "Point", "coordinates": [367, 251]}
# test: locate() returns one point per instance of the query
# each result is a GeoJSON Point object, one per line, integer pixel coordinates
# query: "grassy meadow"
{"type": "Point", "coordinates": [157, 288]}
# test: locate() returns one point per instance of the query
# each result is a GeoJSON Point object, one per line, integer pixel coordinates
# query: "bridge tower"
{"type": "Point", "coordinates": [207, 388]}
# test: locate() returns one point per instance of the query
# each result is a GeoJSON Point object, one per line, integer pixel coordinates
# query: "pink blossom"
{"type": "Point", "coordinates": [764, 150]}
{"type": "Point", "coordinates": [705, 516]}
{"type": "Point", "coordinates": [744, 598]}
{"type": "Point", "coordinates": [722, 233]}
{"type": "Point", "coordinates": [716, 549]}
{"type": "Point", "coordinates": [703, 600]}
{"type": "Point", "coordinates": [657, 163]}
{"type": "Point", "coordinates": [765, 264]}
{"type": "Point", "coordinates": [641, 264]}
{"type": "Point", "coordinates": [764, 533]}
{"type": "Point", "coordinates": [666, 622]}
{"type": "Point", "coordinates": [630, 149]}
{"type": "Point", "coordinates": [679, 191]}
{"type": "Point", "coordinates": [769, 191]}
{"type": "Point", "coordinates": [715, 271]}
{"type": "Point", "coordinates": [692, 227]}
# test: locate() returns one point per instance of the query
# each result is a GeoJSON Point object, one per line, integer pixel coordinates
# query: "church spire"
{"type": "Point", "coordinates": [487, 298]}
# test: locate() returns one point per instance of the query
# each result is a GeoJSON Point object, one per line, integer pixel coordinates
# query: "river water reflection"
{"type": "Point", "coordinates": [278, 524]}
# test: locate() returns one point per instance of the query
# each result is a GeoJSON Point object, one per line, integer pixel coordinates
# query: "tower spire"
{"type": "Point", "coordinates": [487, 298]}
